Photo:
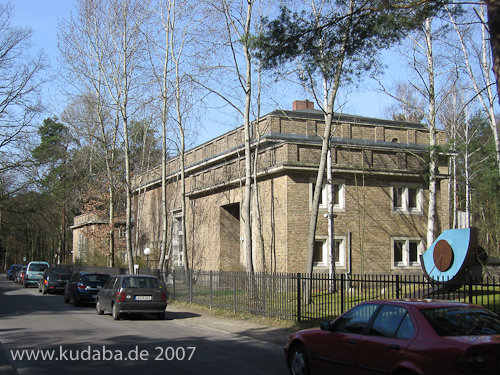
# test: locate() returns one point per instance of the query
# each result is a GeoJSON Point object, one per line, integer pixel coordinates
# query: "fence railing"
{"type": "Point", "coordinates": [318, 297]}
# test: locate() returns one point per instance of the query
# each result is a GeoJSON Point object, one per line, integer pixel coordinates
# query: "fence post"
{"type": "Point", "coordinates": [263, 294]}
{"type": "Point", "coordinates": [190, 278]}
{"type": "Point", "coordinates": [173, 283]}
{"type": "Point", "coordinates": [211, 289]}
{"type": "Point", "coordinates": [397, 287]}
{"type": "Point", "coordinates": [470, 289]}
{"type": "Point", "coordinates": [234, 292]}
{"type": "Point", "coordinates": [342, 292]}
{"type": "Point", "coordinates": [299, 298]}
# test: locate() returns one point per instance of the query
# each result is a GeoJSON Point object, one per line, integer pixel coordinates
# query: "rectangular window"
{"type": "Point", "coordinates": [398, 197]}
{"type": "Point", "coordinates": [318, 253]}
{"type": "Point", "coordinates": [322, 256]}
{"type": "Point", "coordinates": [407, 198]}
{"type": "Point", "coordinates": [398, 252]}
{"type": "Point", "coordinates": [338, 195]}
{"type": "Point", "coordinates": [413, 253]}
{"type": "Point", "coordinates": [412, 198]}
{"type": "Point", "coordinates": [177, 252]}
{"type": "Point", "coordinates": [406, 252]}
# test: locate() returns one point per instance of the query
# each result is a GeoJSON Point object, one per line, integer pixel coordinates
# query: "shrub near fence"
{"type": "Point", "coordinates": [282, 295]}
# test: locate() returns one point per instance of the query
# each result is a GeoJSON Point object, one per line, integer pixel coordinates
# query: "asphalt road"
{"type": "Point", "coordinates": [63, 339]}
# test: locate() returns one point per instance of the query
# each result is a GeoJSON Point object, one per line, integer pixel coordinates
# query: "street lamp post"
{"type": "Point", "coordinates": [147, 251]}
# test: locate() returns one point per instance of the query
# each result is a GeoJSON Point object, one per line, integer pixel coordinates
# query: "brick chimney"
{"type": "Point", "coordinates": [299, 105]}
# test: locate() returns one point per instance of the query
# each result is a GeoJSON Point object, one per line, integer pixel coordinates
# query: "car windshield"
{"type": "Point", "coordinates": [140, 282]}
{"type": "Point", "coordinates": [17, 268]}
{"type": "Point", "coordinates": [461, 321]}
{"type": "Point", "coordinates": [99, 279]}
{"type": "Point", "coordinates": [59, 271]}
{"type": "Point", "coordinates": [38, 267]}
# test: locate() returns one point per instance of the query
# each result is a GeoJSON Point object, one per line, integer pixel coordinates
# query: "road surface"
{"type": "Point", "coordinates": [39, 334]}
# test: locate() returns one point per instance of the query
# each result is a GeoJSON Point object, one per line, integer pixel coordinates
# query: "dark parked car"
{"type": "Point", "coordinates": [19, 278]}
{"type": "Point", "coordinates": [400, 337]}
{"type": "Point", "coordinates": [11, 272]}
{"type": "Point", "coordinates": [54, 279]}
{"type": "Point", "coordinates": [132, 294]}
{"type": "Point", "coordinates": [84, 286]}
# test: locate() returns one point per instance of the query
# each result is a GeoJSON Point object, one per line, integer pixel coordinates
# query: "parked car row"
{"type": "Point", "coordinates": [12, 271]}
{"type": "Point", "coordinates": [117, 295]}
{"type": "Point", "coordinates": [27, 275]}
{"type": "Point", "coordinates": [19, 276]}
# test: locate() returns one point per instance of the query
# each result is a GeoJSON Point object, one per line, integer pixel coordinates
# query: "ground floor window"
{"type": "Point", "coordinates": [406, 252]}
{"type": "Point", "coordinates": [322, 256]}
{"type": "Point", "coordinates": [177, 253]}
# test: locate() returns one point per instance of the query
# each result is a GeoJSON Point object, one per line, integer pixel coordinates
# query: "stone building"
{"type": "Point", "coordinates": [90, 238]}
{"type": "Point", "coordinates": [380, 190]}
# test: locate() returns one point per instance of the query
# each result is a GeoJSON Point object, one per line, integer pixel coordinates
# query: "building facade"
{"type": "Point", "coordinates": [379, 185]}
{"type": "Point", "coordinates": [91, 239]}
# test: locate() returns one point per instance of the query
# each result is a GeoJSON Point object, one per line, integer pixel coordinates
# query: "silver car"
{"type": "Point", "coordinates": [124, 294]}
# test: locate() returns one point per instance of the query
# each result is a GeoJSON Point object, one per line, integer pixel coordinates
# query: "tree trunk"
{"type": "Point", "coordinates": [494, 27]}
{"type": "Point", "coordinates": [431, 216]}
{"type": "Point", "coordinates": [247, 203]}
{"type": "Point", "coordinates": [322, 166]}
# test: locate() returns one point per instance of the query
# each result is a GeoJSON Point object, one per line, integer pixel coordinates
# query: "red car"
{"type": "Point", "coordinates": [400, 337]}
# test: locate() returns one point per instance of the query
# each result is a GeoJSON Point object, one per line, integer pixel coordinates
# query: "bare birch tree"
{"type": "Point", "coordinates": [433, 86]}
{"type": "Point", "coordinates": [83, 53]}
{"type": "Point", "coordinates": [479, 76]}
{"type": "Point", "coordinates": [105, 45]}
{"type": "Point", "coordinates": [177, 28]}
{"type": "Point", "coordinates": [232, 22]}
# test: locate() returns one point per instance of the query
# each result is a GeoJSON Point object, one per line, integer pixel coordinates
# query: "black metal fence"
{"type": "Point", "coordinates": [318, 297]}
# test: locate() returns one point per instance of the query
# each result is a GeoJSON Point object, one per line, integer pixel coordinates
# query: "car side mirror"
{"type": "Point", "coordinates": [325, 326]}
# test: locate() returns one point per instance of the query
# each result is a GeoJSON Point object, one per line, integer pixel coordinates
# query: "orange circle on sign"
{"type": "Point", "coordinates": [443, 255]}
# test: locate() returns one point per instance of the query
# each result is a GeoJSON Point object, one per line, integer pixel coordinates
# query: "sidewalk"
{"type": "Point", "coordinates": [275, 332]}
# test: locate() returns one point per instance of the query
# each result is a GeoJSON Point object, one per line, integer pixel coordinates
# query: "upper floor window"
{"type": "Point", "coordinates": [407, 198]}
{"type": "Point", "coordinates": [338, 195]}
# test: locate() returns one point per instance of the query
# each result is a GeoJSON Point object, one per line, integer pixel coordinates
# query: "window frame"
{"type": "Point", "coordinates": [405, 198]}
{"type": "Point", "coordinates": [177, 250]}
{"type": "Point", "coordinates": [406, 256]}
{"type": "Point", "coordinates": [325, 263]}
{"type": "Point", "coordinates": [323, 205]}
{"type": "Point", "coordinates": [395, 314]}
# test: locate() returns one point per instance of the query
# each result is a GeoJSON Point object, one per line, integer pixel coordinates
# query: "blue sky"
{"type": "Point", "coordinates": [43, 17]}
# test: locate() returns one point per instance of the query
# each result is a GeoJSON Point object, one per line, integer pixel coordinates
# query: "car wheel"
{"type": "Point", "coordinates": [115, 313]}
{"type": "Point", "coordinates": [25, 284]}
{"type": "Point", "coordinates": [65, 298]}
{"type": "Point", "coordinates": [76, 301]}
{"type": "Point", "coordinates": [299, 363]}
{"type": "Point", "coordinates": [160, 316]}
{"type": "Point", "coordinates": [98, 308]}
